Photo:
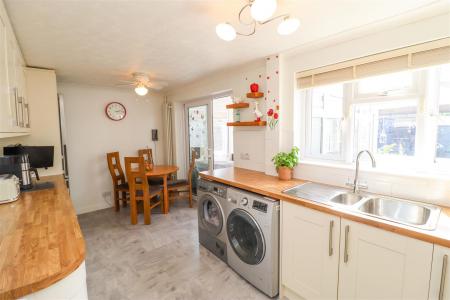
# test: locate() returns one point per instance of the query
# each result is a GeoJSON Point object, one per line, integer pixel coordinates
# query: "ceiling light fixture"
{"type": "Point", "coordinates": [141, 89]}
{"type": "Point", "coordinates": [288, 26]}
{"type": "Point", "coordinates": [226, 32]}
{"type": "Point", "coordinates": [261, 12]}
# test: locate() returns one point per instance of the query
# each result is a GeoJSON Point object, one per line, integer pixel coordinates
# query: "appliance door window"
{"type": "Point", "coordinates": [210, 214]}
{"type": "Point", "coordinates": [245, 237]}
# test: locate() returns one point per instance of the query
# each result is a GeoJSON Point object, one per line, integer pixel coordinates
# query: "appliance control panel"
{"type": "Point", "coordinates": [259, 206]}
{"type": "Point", "coordinates": [212, 188]}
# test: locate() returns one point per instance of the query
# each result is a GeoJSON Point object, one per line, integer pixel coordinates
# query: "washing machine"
{"type": "Point", "coordinates": [252, 226]}
{"type": "Point", "coordinates": [211, 218]}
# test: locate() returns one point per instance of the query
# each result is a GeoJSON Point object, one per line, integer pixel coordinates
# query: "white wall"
{"type": "Point", "coordinates": [414, 186]}
{"type": "Point", "coordinates": [91, 135]}
{"type": "Point", "coordinates": [246, 140]}
{"type": "Point", "coordinates": [44, 117]}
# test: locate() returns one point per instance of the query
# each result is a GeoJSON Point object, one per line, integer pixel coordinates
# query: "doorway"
{"type": "Point", "coordinates": [208, 134]}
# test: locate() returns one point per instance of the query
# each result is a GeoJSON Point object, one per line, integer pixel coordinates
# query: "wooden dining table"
{"type": "Point", "coordinates": [163, 171]}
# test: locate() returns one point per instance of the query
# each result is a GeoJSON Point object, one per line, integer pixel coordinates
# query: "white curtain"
{"type": "Point", "coordinates": [168, 133]}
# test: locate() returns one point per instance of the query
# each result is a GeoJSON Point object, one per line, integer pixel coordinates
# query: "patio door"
{"type": "Point", "coordinates": [199, 133]}
{"type": "Point", "coordinates": [208, 134]}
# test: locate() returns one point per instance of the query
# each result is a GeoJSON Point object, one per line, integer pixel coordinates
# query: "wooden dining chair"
{"type": "Point", "coordinates": [147, 154]}
{"type": "Point", "coordinates": [178, 187]}
{"type": "Point", "coordinates": [120, 185]}
{"type": "Point", "coordinates": [140, 190]}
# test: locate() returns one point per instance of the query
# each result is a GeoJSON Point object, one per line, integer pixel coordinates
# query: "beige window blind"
{"type": "Point", "coordinates": [413, 57]}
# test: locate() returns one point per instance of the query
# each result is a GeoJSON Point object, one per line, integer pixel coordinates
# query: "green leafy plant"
{"type": "Point", "coordinates": [284, 159]}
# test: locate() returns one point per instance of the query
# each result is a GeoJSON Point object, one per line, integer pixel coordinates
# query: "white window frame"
{"type": "Point", "coordinates": [307, 99]}
{"type": "Point", "coordinates": [427, 115]}
{"type": "Point", "coordinates": [397, 94]}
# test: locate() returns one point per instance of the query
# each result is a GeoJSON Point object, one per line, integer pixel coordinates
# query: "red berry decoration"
{"type": "Point", "coordinates": [270, 112]}
{"type": "Point", "coordinates": [254, 87]}
{"type": "Point", "coordinates": [275, 116]}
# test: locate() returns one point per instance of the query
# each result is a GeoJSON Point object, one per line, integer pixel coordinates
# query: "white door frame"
{"type": "Point", "coordinates": [208, 102]}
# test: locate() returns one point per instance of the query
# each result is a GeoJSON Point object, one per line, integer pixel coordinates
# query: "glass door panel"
{"type": "Point", "coordinates": [198, 135]}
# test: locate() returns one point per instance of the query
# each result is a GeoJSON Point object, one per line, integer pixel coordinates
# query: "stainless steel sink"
{"type": "Point", "coordinates": [346, 198]}
{"type": "Point", "coordinates": [402, 211]}
{"type": "Point", "coordinates": [411, 213]}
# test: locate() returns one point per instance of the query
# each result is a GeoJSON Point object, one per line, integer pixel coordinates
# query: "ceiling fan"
{"type": "Point", "coordinates": [142, 83]}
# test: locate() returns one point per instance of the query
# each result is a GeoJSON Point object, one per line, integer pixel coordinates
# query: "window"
{"type": "Point", "coordinates": [402, 118]}
{"type": "Point", "coordinates": [326, 107]}
{"type": "Point", "coordinates": [443, 131]}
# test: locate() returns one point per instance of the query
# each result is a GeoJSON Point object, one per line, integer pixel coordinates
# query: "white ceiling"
{"type": "Point", "coordinates": [103, 41]}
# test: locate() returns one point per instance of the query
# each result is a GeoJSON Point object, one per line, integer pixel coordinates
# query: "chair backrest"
{"type": "Point", "coordinates": [147, 154]}
{"type": "Point", "coordinates": [115, 169]}
{"type": "Point", "coordinates": [192, 166]}
{"type": "Point", "coordinates": [137, 180]}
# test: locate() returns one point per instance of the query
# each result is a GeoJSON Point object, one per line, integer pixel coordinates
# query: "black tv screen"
{"type": "Point", "coordinates": [39, 156]}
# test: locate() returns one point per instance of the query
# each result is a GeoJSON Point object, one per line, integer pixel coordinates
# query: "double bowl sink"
{"type": "Point", "coordinates": [406, 212]}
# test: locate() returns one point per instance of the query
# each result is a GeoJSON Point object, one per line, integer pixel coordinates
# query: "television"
{"type": "Point", "coordinates": [39, 156]}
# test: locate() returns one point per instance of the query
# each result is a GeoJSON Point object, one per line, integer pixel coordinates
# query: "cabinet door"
{"type": "Point", "coordinates": [5, 115]}
{"type": "Point", "coordinates": [12, 81]}
{"type": "Point", "coordinates": [310, 252]}
{"type": "Point", "coordinates": [377, 264]}
{"type": "Point", "coordinates": [440, 281]}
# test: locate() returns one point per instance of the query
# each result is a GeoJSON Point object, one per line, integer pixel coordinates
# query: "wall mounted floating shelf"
{"type": "Point", "coordinates": [238, 105]}
{"type": "Point", "coordinates": [252, 123]}
{"type": "Point", "coordinates": [255, 95]}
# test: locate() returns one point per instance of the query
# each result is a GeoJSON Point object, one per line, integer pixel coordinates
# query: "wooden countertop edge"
{"type": "Point", "coordinates": [423, 235]}
{"type": "Point", "coordinates": [54, 278]}
{"type": "Point", "coordinates": [44, 283]}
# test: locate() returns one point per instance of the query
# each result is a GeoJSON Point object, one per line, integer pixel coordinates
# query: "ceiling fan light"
{"type": "Point", "coordinates": [288, 26]}
{"type": "Point", "coordinates": [226, 32]}
{"type": "Point", "coordinates": [141, 90]}
{"type": "Point", "coordinates": [263, 10]}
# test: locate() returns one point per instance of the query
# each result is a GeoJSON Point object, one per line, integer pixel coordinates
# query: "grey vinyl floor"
{"type": "Point", "coordinates": [159, 261]}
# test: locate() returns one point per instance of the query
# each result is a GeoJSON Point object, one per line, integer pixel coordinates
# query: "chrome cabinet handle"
{"type": "Point", "coordinates": [28, 115]}
{"type": "Point", "coordinates": [22, 123]}
{"type": "Point", "coordinates": [347, 230]}
{"type": "Point", "coordinates": [443, 275]}
{"type": "Point", "coordinates": [16, 106]}
{"type": "Point", "coordinates": [330, 239]}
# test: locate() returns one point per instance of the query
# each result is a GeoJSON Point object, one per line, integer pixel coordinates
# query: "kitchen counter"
{"type": "Point", "coordinates": [40, 240]}
{"type": "Point", "coordinates": [271, 186]}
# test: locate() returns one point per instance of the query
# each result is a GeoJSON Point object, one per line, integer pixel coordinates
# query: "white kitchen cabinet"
{"type": "Point", "coordinates": [309, 253]}
{"type": "Point", "coordinates": [377, 264]}
{"type": "Point", "coordinates": [5, 110]}
{"type": "Point", "coordinates": [440, 281]}
{"type": "Point", "coordinates": [14, 113]}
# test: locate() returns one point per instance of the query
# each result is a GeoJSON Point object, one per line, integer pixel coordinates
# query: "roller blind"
{"type": "Point", "coordinates": [413, 57]}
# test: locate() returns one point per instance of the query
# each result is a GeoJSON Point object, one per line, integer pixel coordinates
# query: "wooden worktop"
{"type": "Point", "coordinates": [271, 186]}
{"type": "Point", "coordinates": [40, 240]}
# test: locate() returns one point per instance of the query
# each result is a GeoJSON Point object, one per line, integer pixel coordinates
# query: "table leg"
{"type": "Point", "coordinates": [166, 195]}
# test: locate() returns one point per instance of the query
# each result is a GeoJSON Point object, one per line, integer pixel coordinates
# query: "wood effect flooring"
{"type": "Point", "coordinates": [159, 261]}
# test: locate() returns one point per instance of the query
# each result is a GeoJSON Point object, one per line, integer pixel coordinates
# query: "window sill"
{"type": "Point", "coordinates": [404, 172]}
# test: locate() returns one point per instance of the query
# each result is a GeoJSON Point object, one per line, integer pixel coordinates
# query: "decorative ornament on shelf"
{"type": "Point", "coordinates": [261, 12]}
{"type": "Point", "coordinates": [237, 99]}
{"type": "Point", "coordinates": [273, 117]}
{"type": "Point", "coordinates": [254, 87]}
{"type": "Point", "coordinates": [258, 113]}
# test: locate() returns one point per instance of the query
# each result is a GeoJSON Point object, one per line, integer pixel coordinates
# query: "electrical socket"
{"type": "Point", "coordinates": [245, 156]}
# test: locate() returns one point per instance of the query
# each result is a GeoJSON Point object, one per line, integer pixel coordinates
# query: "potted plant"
{"type": "Point", "coordinates": [285, 163]}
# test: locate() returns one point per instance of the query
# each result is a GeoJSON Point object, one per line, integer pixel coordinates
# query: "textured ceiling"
{"type": "Point", "coordinates": [103, 41]}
